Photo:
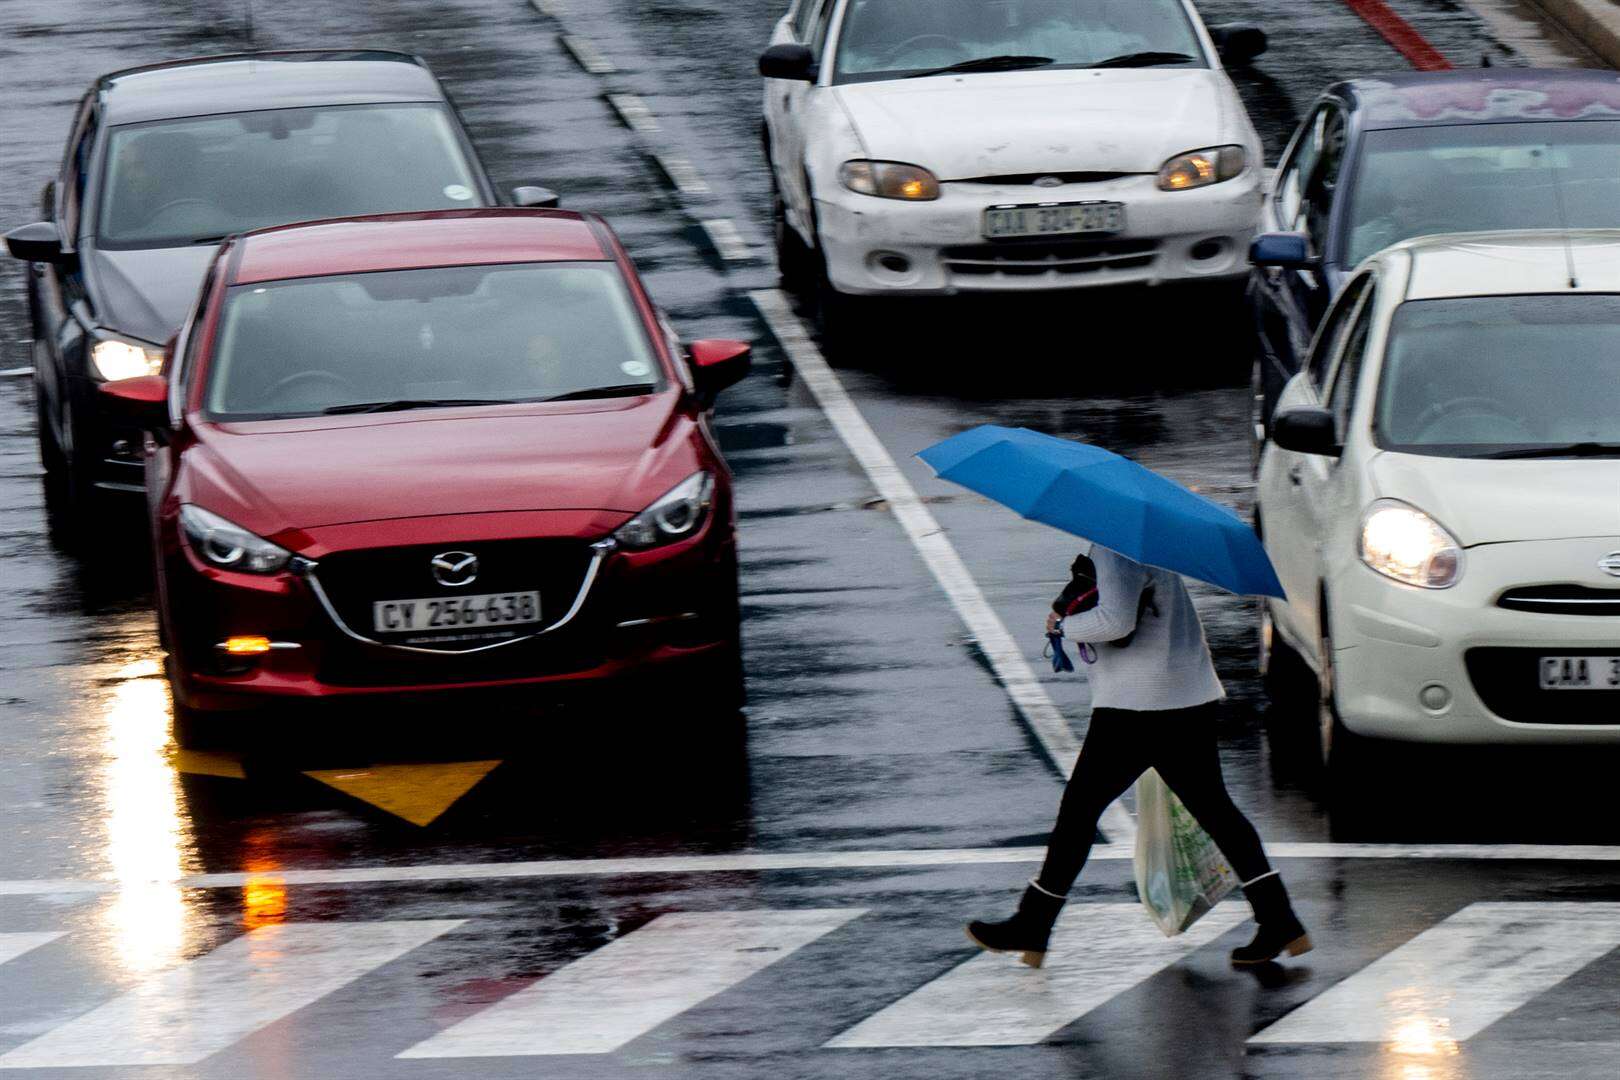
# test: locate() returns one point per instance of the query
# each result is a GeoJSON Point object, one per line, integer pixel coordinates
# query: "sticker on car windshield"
{"type": "Point", "coordinates": [458, 192]}
{"type": "Point", "coordinates": [636, 369]}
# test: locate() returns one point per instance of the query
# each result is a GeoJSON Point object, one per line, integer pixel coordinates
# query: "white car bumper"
{"type": "Point", "coordinates": [1395, 645]}
{"type": "Point", "coordinates": [883, 246]}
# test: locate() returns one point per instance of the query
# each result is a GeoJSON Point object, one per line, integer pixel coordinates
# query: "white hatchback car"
{"type": "Point", "coordinates": [937, 146]}
{"type": "Point", "coordinates": [1441, 497]}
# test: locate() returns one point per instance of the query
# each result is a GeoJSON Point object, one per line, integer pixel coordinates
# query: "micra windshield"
{"type": "Point", "coordinates": [1503, 377]}
{"type": "Point", "coordinates": [457, 337]}
{"type": "Point", "coordinates": [896, 39]}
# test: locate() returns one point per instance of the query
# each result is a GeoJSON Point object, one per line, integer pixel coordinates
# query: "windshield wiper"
{"type": "Point", "coordinates": [405, 404]}
{"type": "Point", "coordinates": [210, 239]}
{"type": "Point", "coordinates": [621, 390]}
{"type": "Point", "coordinates": [1143, 59]}
{"type": "Point", "coordinates": [1580, 449]}
{"type": "Point", "coordinates": [988, 63]}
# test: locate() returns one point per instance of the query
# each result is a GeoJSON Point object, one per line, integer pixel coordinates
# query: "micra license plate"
{"type": "Point", "coordinates": [1580, 673]}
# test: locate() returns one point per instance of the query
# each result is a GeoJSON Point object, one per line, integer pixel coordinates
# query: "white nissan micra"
{"type": "Point", "coordinates": [1441, 498]}
{"type": "Point", "coordinates": [938, 146]}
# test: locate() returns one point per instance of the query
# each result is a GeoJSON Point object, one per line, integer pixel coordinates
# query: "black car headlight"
{"type": "Point", "coordinates": [117, 358]}
{"type": "Point", "coordinates": [220, 543]}
{"type": "Point", "coordinates": [675, 516]}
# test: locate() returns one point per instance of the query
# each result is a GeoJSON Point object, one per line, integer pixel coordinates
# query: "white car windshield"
{"type": "Point", "coordinates": [888, 39]}
{"type": "Point", "coordinates": [409, 339]}
{"type": "Point", "coordinates": [197, 180]}
{"type": "Point", "coordinates": [1468, 178]}
{"type": "Point", "coordinates": [1503, 376]}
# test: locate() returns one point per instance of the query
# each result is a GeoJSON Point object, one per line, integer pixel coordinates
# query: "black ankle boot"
{"type": "Point", "coordinates": [1026, 932]}
{"type": "Point", "coordinates": [1280, 930]}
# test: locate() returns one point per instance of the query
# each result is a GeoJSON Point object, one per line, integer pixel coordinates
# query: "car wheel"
{"type": "Point", "coordinates": [1283, 672]}
{"type": "Point", "coordinates": [793, 256]}
{"type": "Point", "coordinates": [193, 729]}
{"type": "Point", "coordinates": [73, 502]}
{"type": "Point", "coordinates": [50, 452]}
{"type": "Point", "coordinates": [1345, 755]}
{"type": "Point", "coordinates": [838, 315]}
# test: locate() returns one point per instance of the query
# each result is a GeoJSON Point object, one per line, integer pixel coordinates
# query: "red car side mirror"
{"type": "Point", "coordinates": [142, 401]}
{"type": "Point", "coordinates": [719, 364]}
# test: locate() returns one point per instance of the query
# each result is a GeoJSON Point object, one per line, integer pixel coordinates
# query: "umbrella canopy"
{"type": "Point", "coordinates": [1109, 500]}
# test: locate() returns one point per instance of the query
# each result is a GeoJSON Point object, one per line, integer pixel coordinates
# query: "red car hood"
{"type": "Point", "coordinates": [274, 476]}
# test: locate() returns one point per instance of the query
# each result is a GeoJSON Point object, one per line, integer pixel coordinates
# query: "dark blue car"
{"type": "Point", "coordinates": [1378, 161]}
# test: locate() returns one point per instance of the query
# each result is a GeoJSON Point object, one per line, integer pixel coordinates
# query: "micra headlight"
{"type": "Point", "coordinates": [117, 358]}
{"type": "Point", "coordinates": [1201, 168]}
{"type": "Point", "coordinates": [890, 180]}
{"type": "Point", "coordinates": [1404, 543]}
{"type": "Point", "coordinates": [220, 543]}
{"type": "Point", "coordinates": [677, 515]}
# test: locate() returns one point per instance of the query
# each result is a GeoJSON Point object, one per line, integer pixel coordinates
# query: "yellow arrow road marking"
{"type": "Point", "coordinates": [209, 763]}
{"type": "Point", "coordinates": [418, 793]}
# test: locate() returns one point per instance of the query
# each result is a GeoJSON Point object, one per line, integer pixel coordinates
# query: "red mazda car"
{"type": "Point", "coordinates": [431, 452]}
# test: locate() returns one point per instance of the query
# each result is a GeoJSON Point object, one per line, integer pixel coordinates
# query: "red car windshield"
{"type": "Point", "coordinates": [478, 335]}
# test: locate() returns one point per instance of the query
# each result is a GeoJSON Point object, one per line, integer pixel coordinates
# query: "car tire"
{"type": "Point", "coordinates": [794, 259]}
{"type": "Point", "coordinates": [74, 505]}
{"type": "Point", "coordinates": [193, 729]}
{"type": "Point", "coordinates": [1346, 757]}
{"type": "Point", "coordinates": [1286, 677]}
{"type": "Point", "coordinates": [50, 452]}
{"type": "Point", "coordinates": [838, 315]}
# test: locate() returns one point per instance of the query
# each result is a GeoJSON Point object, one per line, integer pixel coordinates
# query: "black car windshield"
{"type": "Point", "coordinates": [1467, 178]}
{"type": "Point", "coordinates": [1503, 376]}
{"type": "Point", "coordinates": [178, 182]}
{"type": "Point", "coordinates": [890, 39]}
{"type": "Point", "coordinates": [476, 335]}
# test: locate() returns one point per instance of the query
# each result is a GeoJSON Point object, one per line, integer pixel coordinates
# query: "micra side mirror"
{"type": "Point", "coordinates": [717, 365]}
{"type": "Point", "coordinates": [142, 401]}
{"type": "Point", "coordinates": [1284, 250]}
{"type": "Point", "coordinates": [1307, 429]}
{"type": "Point", "coordinates": [1239, 45]}
{"type": "Point", "coordinates": [39, 242]}
{"type": "Point", "coordinates": [538, 197]}
{"type": "Point", "coordinates": [794, 62]}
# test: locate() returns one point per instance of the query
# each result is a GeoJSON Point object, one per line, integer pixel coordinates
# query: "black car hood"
{"type": "Point", "coordinates": [146, 292]}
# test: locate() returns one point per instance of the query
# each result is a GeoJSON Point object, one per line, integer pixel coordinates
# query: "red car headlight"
{"type": "Point", "coordinates": [228, 546]}
{"type": "Point", "coordinates": [675, 516]}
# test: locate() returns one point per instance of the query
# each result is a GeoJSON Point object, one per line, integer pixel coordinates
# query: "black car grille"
{"type": "Point", "coordinates": [1034, 257]}
{"type": "Point", "coordinates": [1508, 681]}
{"type": "Point", "coordinates": [1563, 600]}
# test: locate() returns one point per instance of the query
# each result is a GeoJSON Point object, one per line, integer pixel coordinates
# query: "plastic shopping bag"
{"type": "Point", "coordinates": [1180, 873]}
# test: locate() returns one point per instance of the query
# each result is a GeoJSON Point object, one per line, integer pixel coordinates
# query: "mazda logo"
{"type": "Point", "coordinates": [1610, 564]}
{"type": "Point", "coordinates": [454, 569]}
{"type": "Point", "coordinates": [1049, 181]}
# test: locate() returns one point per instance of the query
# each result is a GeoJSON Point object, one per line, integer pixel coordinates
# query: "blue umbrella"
{"type": "Point", "coordinates": [1109, 500]}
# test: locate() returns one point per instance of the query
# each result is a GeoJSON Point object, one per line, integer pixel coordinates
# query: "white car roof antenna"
{"type": "Point", "coordinates": [1563, 216]}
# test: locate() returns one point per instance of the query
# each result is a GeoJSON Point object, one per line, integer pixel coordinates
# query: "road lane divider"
{"type": "Point", "coordinates": [15, 944]}
{"type": "Point", "coordinates": [682, 173]}
{"type": "Point", "coordinates": [1005, 655]}
{"type": "Point", "coordinates": [727, 240]}
{"type": "Point", "coordinates": [634, 113]}
{"type": "Point", "coordinates": [587, 55]}
{"type": "Point", "coordinates": [553, 9]}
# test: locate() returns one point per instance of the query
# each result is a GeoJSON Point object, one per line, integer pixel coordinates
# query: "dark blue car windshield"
{"type": "Point", "coordinates": [1467, 178]}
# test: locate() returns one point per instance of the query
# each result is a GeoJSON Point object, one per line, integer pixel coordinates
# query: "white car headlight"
{"type": "Point", "coordinates": [230, 547]}
{"type": "Point", "coordinates": [674, 517]}
{"type": "Point", "coordinates": [1404, 543]}
{"type": "Point", "coordinates": [889, 180]}
{"type": "Point", "coordinates": [116, 359]}
{"type": "Point", "coordinates": [1200, 168]}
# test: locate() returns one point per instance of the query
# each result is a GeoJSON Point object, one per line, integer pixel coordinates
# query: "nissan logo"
{"type": "Point", "coordinates": [1049, 181]}
{"type": "Point", "coordinates": [1610, 564]}
{"type": "Point", "coordinates": [454, 569]}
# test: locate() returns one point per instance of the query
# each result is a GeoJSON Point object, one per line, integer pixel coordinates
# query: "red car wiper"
{"type": "Point", "coordinates": [621, 390]}
{"type": "Point", "coordinates": [405, 404]}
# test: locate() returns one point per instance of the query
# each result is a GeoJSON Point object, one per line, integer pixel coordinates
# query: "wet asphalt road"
{"type": "Point", "coordinates": [874, 723]}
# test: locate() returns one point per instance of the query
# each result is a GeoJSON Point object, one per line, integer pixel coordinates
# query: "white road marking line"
{"type": "Point", "coordinates": [1098, 952]}
{"type": "Point", "coordinates": [16, 372]}
{"type": "Point", "coordinates": [634, 113]}
{"type": "Point", "coordinates": [1456, 979]}
{"type": "Point", "coordinates": [683, 174]}
{"type": "Point", "coordinates": [727, 239]}
{"type": "Point", "coordinates": [587, 55]}
{"type": "Point", "coordinates": [759, 862]}
{"type": "Point", "coordinates": [625, 989]}
{"type": "Point", "coordinates": [555, 9]}
{"type": "Point", "coordinates": [1005, 656]}
{"type": "Point", "coordinates": [13, 945]}
{"type": "Point", "coordinates": [199, 1008]}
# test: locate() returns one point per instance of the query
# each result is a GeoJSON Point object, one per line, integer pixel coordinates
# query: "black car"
{"type": "Point", "coordinates": [164, 162]}
{"type": "Point", "coordinates": [1378, 161]}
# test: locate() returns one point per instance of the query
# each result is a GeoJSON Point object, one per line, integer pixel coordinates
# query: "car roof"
{"type": "Point", "coordinates": [417, 241]}
{"type": "Point", "coordinates": [1512, 263]}
{"type": "Point", "coordinates": [1482, 96]}
{"type": "Point", "coordinates": [244, 82]}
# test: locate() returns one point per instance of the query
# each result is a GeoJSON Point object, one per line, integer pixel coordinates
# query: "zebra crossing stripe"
{"type": "Point", "coordinates": [13, 945]}
{"type": "Point", "coordinates": [1457, 978]}
{"type": "Point", "coordinates": [625, 989]}
{"type": "Point", "coordinates": [1098, 952]}
{"type": "Point", "coordinates": [199, 1008]}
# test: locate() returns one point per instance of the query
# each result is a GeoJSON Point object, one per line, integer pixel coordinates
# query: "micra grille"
{"type": "Point", "coordinates": [1015, 257]}
{"type": "Point", "coordinates": [1028, 179]}
{"type": "Point", "coordinates": [1563, 600]}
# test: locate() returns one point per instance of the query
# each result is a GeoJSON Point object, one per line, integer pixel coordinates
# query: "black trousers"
{"type": "Point", "coordinates": [1120, 746]}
